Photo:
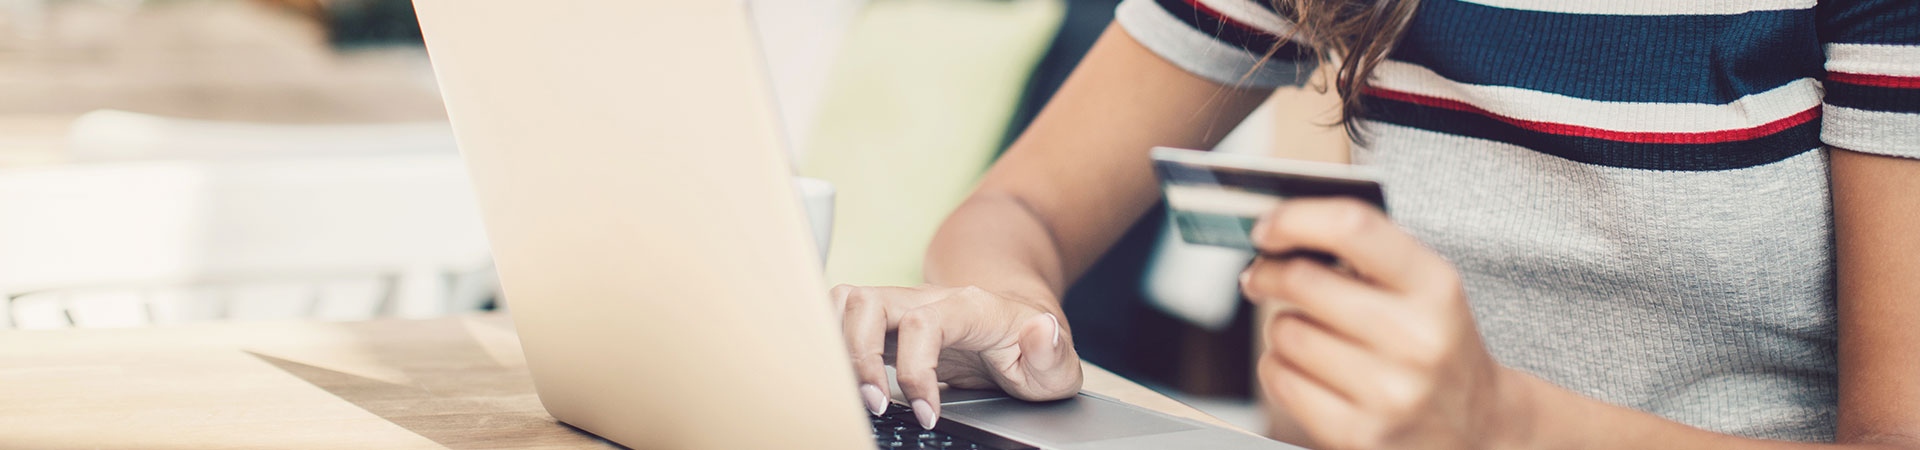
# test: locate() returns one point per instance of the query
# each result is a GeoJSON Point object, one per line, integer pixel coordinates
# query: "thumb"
{"type": "Point", "coordinates": [1047, 356]}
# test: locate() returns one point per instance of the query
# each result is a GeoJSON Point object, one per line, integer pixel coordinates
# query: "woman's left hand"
{"type": "Point", "coordinates": [1381, 351]}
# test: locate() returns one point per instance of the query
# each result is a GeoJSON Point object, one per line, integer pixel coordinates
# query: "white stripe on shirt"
{"type": "Point", "coordinates": [1874, 59]}
{"type": "Point", "coordinates": [1747, 112]}
{"type": "Point", "coordinates": [1878, 132]}
{"type": "Point", "coordinates": [1250, 14]}
{"type": "Point", "coordinates": [1201, 54]}
{"type": "Point", "coordinates": [1647, 7]}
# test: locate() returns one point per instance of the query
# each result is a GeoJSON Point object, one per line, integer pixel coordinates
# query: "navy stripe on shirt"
{"type": "Point", "coordinates": [1869, 21]}
{"type": "Point", "coordinates": [1873, 98]}
{"type": "Point", "coordinates": [1666, 59]}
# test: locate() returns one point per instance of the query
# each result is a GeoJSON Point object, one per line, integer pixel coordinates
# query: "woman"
{"type": "Point", "coordinates": [1640, 224]}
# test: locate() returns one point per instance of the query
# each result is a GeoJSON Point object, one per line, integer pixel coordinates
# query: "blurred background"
{"type": "Point", "coordinates": [178, 161]}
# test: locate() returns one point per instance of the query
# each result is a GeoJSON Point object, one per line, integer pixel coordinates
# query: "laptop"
{"type": "Point", "coordinates": [655, 256]}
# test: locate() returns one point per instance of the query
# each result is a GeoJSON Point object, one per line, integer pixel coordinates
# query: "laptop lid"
{"type": "Point", "coordinates": [638, 204]}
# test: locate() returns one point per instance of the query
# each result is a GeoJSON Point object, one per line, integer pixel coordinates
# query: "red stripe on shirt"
{"type": "Point", "coordinates": [1638, 137]}
{"type": "Point", "coordinates": [1875, 80]}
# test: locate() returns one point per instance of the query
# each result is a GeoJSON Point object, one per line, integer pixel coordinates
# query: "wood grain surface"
{"type": "Point", "coordinates": [442, 383]}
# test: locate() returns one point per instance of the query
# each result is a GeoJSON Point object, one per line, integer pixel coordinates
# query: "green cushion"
{"type": "Point", "coordinates": [913, 113]}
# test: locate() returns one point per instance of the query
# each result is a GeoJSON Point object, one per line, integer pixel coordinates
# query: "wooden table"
{"type": "Point", "coordinates": [456, 382]}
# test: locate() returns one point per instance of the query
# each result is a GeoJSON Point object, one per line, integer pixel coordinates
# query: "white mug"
{"type": "Point", "coordinates": [816, 197]}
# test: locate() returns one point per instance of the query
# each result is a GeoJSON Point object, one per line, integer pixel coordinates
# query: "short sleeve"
{"type": "Point", "coordinates": [1220, 40]}
{"type": "Point", "coordinates": [1872, 101]}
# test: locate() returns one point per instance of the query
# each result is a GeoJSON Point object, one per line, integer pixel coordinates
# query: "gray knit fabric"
{"type": "Point", "coordinates": [1703, 297]}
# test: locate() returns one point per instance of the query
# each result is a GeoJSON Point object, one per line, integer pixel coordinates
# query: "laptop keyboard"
{"type": "Point", "coordinates": [898, 429]}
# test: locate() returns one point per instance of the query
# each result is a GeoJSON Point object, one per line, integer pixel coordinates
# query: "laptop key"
{"type": "Point", "coordinates": [898, 429]}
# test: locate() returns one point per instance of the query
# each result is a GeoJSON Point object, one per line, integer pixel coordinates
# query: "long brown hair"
{"type": "Point", "coordinates": [1358, 33]}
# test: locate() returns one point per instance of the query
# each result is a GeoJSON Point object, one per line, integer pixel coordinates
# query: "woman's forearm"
{"type": "Point", "coordinates": [1073, 182]}
{"type": "Point", "coordinates": [996, 242]}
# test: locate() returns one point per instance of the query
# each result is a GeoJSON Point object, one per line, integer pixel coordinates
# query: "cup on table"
{"type": "Point", "coordinates": [816, 197]}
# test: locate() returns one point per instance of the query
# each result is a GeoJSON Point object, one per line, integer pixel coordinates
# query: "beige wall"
{"type": "Point", "coordinates": [1302, 123]}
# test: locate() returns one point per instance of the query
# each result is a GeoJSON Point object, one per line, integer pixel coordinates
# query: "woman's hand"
{"type": "Point", "coordinates": [966, 337]}
{"type": "Point", "coordinates": [1380, 351]}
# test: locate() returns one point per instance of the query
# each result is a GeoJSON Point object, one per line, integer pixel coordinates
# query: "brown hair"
{"type": "Point", "coordinates": [1359, 33]}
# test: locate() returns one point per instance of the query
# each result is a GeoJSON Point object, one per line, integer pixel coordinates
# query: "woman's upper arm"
{"type": "Point", "coordinates": [1872, 83]}
{"type": "Point", "coordinates": [1082, 167]}
{"type": "Point", "coordinates": [1876, 215]}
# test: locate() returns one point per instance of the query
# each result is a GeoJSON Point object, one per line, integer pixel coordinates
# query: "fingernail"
{"type": "Point", "coordinates": [1056, 328]}
{"type": "Point", "coordinates": [924, 412]}
{"type": "Point", "coordinates": [876, 400]}
{"type": "Point", "coordinates": [1045, 355]}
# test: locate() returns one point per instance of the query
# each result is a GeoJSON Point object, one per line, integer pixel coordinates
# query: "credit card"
{"type": "Point", "coordinates": [1215, 198]}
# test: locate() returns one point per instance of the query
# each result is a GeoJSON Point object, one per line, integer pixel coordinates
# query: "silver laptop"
{"type": "Point", "coordinates": [655, 257]}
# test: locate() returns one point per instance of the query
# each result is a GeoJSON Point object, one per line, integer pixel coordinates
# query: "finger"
{"type": "Point", "coordinates": [1048, 367]}
{"type": "Point", "coordinates": [921, 334]}
{"type": "Point", "coordinates": [899, 300]}
{"type": "Point", "coordinates": [864, 324]}
{"type": "Point", "coordinates": [967, 319]}
{"type": "Point", "coordinates": [838, 295]}
{"type": "Point", "coordinates": [1358, 234]}
{"type": "Point", "coordinates": [1324, 414]}
{"type": "Point", "coordinates": [1332, 362]}
{"type": "Point", "coordinates": [1347, 306]}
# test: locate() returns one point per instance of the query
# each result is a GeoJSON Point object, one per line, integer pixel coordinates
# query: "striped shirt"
{"type": "Point", "coordinates": [1635, 191]}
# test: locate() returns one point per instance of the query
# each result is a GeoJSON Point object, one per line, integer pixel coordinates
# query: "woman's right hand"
{"type": "Point", "coordinates": [966, 337]}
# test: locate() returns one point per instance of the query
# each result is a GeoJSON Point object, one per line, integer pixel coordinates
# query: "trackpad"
{"type": "Point", "coordinates": [1074, 420]}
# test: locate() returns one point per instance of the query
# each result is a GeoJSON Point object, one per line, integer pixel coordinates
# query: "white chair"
{"type": "Point", "coordinates": [139, 243]}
